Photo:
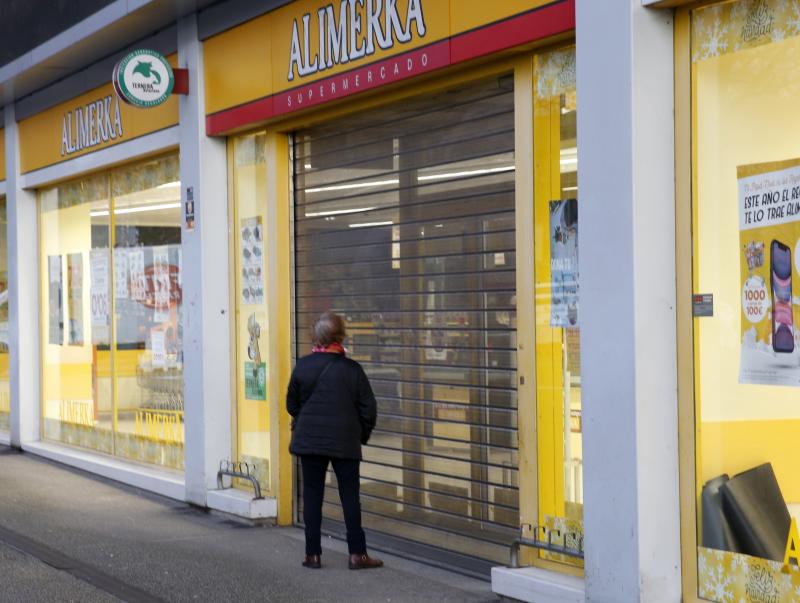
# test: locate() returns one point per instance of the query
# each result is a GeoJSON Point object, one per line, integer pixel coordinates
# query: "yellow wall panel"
{"type": "Point", "coordinates": [238, 65]}
{"type": "Point", "coordinates": [735, 446]}
{"type": "Point", "coordinates": [41, 135]}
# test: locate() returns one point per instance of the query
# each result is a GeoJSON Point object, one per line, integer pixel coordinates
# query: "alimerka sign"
{"type": "Point", "coordinates": [346, 35]}
{"type": "Point", "coordinates": [90, 125]}
{"type": "Point", "coordinates": [310, 52]}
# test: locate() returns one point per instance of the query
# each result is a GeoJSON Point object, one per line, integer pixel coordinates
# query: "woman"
{"type": "Point", "coordinates": [333, 412]}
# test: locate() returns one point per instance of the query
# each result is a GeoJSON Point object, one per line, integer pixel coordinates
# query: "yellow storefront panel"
{"type": "Point", "coordinates": [92, 121]}
{"type": "Point", "coordinates": [238, 65]}
{"type": "Point", "coordinates": [350, 47]}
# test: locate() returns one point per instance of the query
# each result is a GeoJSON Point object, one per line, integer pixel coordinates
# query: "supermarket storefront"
{"type": "Point", "coordinates": [398, 168]}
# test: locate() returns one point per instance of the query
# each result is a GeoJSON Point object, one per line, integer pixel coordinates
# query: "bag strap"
{"type": "Point", "coordinates": [319, 378]}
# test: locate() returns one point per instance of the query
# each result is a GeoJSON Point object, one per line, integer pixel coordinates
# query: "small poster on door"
{"type": "Point", "coordinates": [121, 290]}
{"type": "Point", "coordinates": [98, 293]}
{"type": "Point", "coordinates": [564, 263]}
{"type": "Point", "coordinates": [161, 283]}
{"type": "Point", "coordinates": [252, 261]}
{"type": "Point", "coordinates": [255, 380]}
{"type": "Point", "coordinates": [55, 300]}
{"type": "Point", "coordinates": [138, 280]}
{"type": "Point", "coordinates": [158, 352]}
{"type": "Point", "coordinates": [75, 297]}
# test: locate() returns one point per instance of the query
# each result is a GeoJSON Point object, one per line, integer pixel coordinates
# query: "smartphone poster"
{"type": "Point", "coordinates": [769, 249]}
{"type": "Point", "coordinates": [564, 263]}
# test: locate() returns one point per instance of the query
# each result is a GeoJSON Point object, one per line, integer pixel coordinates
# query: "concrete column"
{"type": "Point", "coordinates": [206, 313]}
{"type": "Point", "coordinates": [628, 321]}
{"type": "Point", "coordinates": [23, 295]}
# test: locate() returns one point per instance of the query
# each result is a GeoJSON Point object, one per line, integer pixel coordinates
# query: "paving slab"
{"type": "Point", "coordinates": [24, 579]}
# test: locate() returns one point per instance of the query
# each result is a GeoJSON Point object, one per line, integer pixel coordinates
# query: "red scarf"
{"type": "Point", "coordinates": [334, 348]}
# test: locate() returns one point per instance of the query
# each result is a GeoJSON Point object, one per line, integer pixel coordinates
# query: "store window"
{"type": "Point", "coordinates": [252, 330]}
{"type": "Point", "coordinates": [405, 224]}
{"type": "Point", "coordinates": [746, 223]}
{"type": "Point", "coordinates": [558, 374]}
{"type": "Point", "coordinates": [4, 383]}
{"type": "Point", "coordinates": [112, 359]}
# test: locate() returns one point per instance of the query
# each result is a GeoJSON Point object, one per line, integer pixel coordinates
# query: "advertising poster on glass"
{"type": "Point", "coordinates": [75, 299]}
{"type": "Point", "coordinates": [138, 280]}
{"type": "Point", "coordinates": [121, 273]}
{"type": "Point", "coordinates": [564, 263]}
{"type": "Point", "coordinates": [98, 285]}
{"type": "Point", "coordinates": [255, 371]}
{"type": "Point", "coordinates": [55, 312]}
{"type": "Point", "coordinates": [161, 284]}
{"type": "Point", "coordinates": [769, 235]}
{"type": "Point", "coordinates": [252, 243]}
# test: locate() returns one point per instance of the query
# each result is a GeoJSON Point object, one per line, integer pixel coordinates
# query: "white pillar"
{"type": "Point", "coordinates": [206, 313]}
{"type": "Point", "coordinates": [628, 332]}
{"type": "Point", "coordinates": [23, 295]}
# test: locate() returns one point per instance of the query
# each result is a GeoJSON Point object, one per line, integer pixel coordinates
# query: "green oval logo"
{"type": "Point", "coordinates": [143, 78]}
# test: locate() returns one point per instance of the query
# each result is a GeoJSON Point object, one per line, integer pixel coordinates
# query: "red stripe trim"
{"type": "Point", "coordinates": [224, 121]}
{"type": "Point", "coordinates": [538, 24]}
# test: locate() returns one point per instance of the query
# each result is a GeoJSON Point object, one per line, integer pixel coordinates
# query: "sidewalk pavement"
{"type": "Point", "coordinates": [69, 536]}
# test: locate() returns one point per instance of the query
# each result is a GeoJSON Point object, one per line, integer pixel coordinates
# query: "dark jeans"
{"type": "Point", "coordinates": [347, 474]}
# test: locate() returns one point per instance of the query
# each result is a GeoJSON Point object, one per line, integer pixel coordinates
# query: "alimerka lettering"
{"type": "Point", "coordinates": [348, 37]}
{"type": "Point", "coordinates": [91, 125]}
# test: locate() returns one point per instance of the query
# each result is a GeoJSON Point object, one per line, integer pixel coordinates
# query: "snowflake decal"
{"type": "Point", "coordinates": [793, 19]}
{"type": "Point", "coordinates": [739, 563]}
{"type": "Point", "coordinates": [718, 586]}
{"type": "Point", "coordinates": [712, 34]}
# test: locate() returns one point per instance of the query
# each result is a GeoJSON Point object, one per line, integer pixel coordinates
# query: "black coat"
{"type": "Point", "coordinates": [340, 414]}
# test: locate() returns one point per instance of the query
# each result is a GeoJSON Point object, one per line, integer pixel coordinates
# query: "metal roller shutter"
{"type": "Point", "coordinates": [404, 223]}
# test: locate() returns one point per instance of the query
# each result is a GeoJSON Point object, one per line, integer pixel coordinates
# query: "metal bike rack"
{"type": "Point", "coordinates": [546, 543]}
{"type": "Point", "coordinates": [241, 470]}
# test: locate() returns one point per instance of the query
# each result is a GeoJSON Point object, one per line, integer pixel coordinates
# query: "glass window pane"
{"type": "Point", "coordinates": [75, 285]}
{"type": "Point", "coordinates": [746, 251]}
{"type": "Point", "coordinates": [558, 374]}
{"type": "Point", "coordinates": [148, 356]}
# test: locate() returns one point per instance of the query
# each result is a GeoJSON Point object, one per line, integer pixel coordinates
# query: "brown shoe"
{"type": "Point", "coordinates": [312, 561]}
{"type": "Point", "coordinates": [364, 562]}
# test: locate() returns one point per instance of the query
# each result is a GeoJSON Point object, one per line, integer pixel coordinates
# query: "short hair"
{"type": "Point", "coordinates": [328, 329]}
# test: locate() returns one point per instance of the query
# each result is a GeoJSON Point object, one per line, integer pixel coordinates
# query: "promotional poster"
{"type": "Point", "coordinates": [564, 263]}
{"type": "Point", "coordinates": [161, 283]}
{"type": "Point", "coordinates": [769, 237]}
{"type": "Point", "coordinates": [98, 287]}
{"type": "Point", "coordinates": [56, 310]}
{"type": "Point", "coordinates": [252, 261]}
{"type": "Point", "coordinates": [75, 297]}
